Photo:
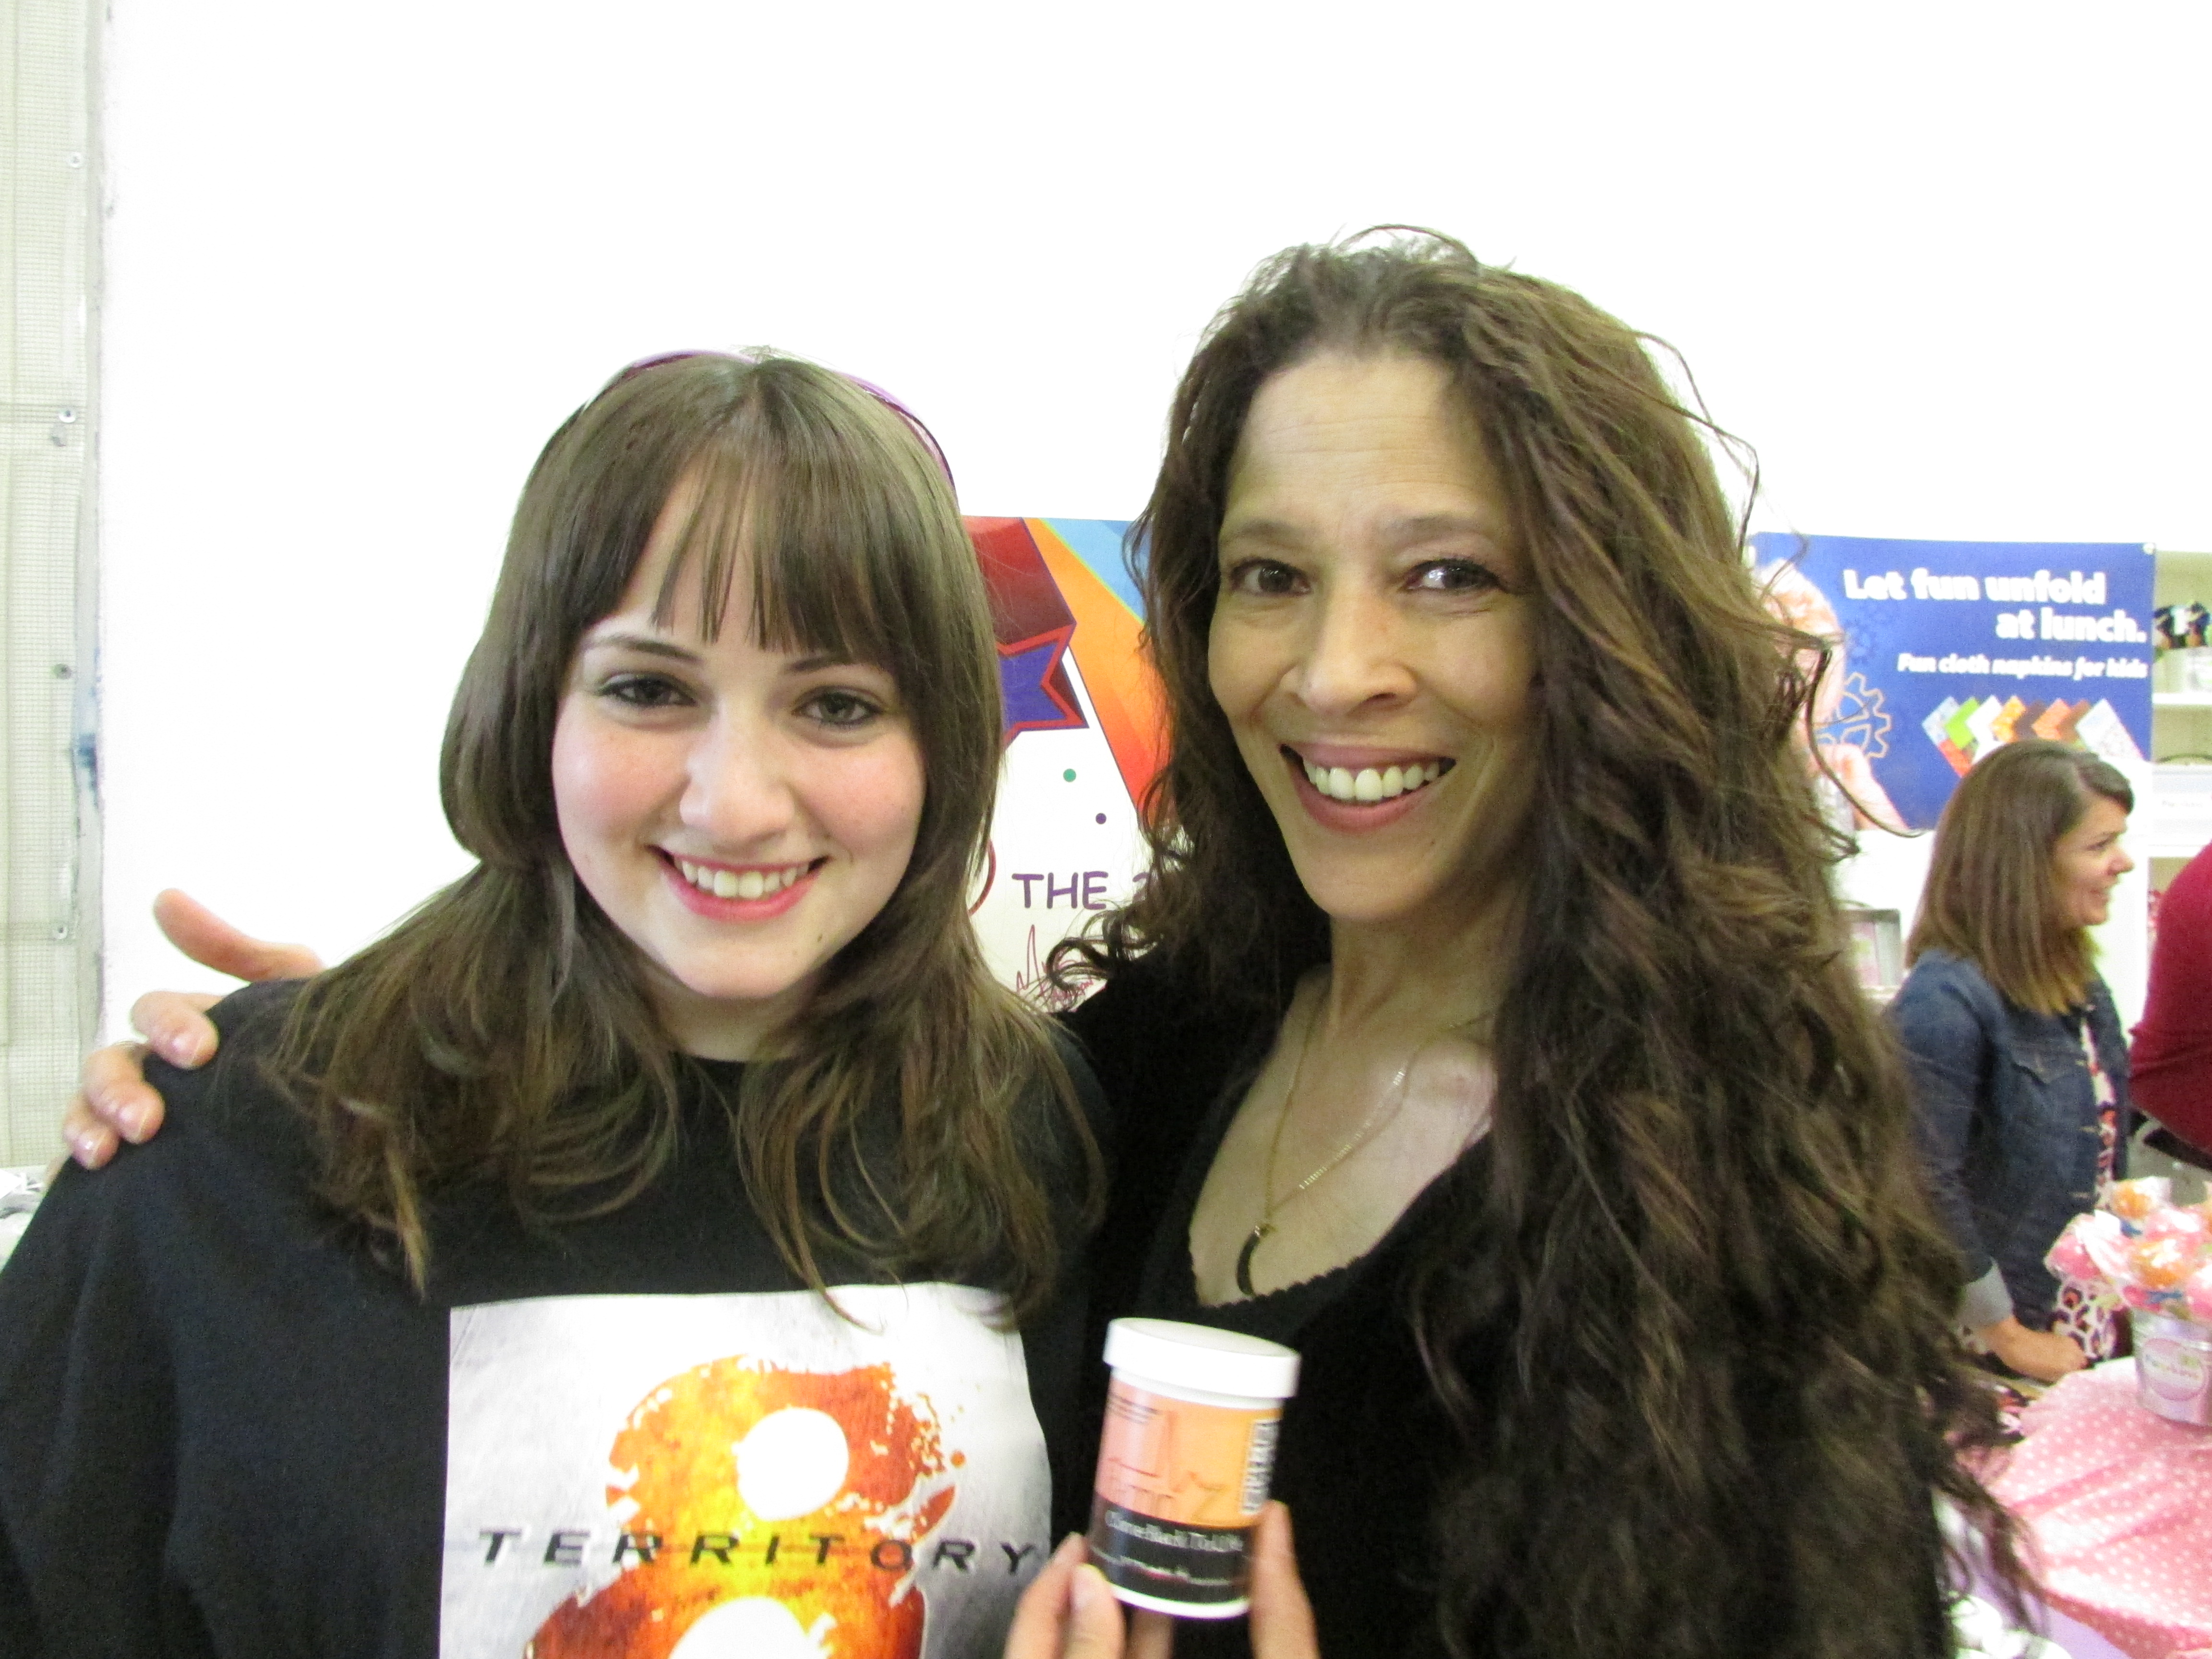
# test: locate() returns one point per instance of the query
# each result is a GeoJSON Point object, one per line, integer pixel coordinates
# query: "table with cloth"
{"type": "Point", "coordinates": [2116, 1505]}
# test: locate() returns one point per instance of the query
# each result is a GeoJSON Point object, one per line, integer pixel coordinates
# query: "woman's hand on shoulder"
{"type": "Point", "coordinates": [1068, 1612]}
{"type": "Point", "coordinates": [114, 1102]}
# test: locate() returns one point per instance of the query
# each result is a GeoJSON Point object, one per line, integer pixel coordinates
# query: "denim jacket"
{"type": "Point", "coordinates": [2008, 1124]}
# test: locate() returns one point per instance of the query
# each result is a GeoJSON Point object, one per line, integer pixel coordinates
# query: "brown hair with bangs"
{"type": "Point", "coordinates": [1692, 1327]}
{"type": "Point", "coordinates": [1992, 894]}
{"type": "Point", "coordinates": [503, 1031]}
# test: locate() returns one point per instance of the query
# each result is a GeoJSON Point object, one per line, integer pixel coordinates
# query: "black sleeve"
{"type": "Point", "coordinates": [87, 1428]}
{"type": "Point", "coordinates": [1161, 1054]}
{"type": "Point", "coordinates": [19, 1622]}
{"type": "Point", "coordinates": [89, 1385]}
{"type": "Point", "coordinates": [1054, 1345]}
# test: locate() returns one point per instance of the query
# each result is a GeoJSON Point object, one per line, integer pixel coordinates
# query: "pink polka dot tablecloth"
{"type": "Point", "coordinates": [2117, 1505]}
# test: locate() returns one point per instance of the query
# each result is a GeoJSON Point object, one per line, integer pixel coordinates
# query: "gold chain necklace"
{"type": "Point", "coordinates": [1393, 1098]}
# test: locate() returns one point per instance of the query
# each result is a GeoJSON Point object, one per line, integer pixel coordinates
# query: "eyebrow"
{"type": "Point", "coordinates": [645, 643]}
{"type": "Point", "coordinates": [653, 646]}
{"type": "Point", "coordinates": [1419, 527]}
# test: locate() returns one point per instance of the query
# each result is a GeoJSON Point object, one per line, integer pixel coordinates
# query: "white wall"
{"type": "Point", "coordinates": [1944, 265]}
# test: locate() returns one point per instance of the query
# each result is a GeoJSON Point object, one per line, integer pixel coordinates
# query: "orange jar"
{"type": "Point", "coordinates": [1184, 1465]}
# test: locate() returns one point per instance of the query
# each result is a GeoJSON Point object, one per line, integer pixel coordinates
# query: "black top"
{"type": "Point", "coordinates": [224, 1430]}
{"type": "Point", "coordinates": [1364, 1441]}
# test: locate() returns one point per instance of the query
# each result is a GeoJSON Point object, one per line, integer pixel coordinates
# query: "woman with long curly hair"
{"type": "Point", "coordinates": [1489, 997]}
{"type": "Point", "coordinates": [1485, 1030]}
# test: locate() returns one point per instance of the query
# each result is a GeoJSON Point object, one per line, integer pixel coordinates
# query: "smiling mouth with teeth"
{"type": "Point", "coordinates": [739, 884]}
{"type": "Point", "coordinates": [1371, 783]}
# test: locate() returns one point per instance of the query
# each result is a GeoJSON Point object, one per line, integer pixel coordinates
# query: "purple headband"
{"type": "Point", "coordinates": [914, 422]}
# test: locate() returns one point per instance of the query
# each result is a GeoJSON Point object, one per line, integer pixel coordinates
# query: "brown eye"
{"type": "Point", "coordinates": [842, 709]}
{"type": "Point", "coordinates": [643, 691]}
{"type": "Point", "coordinates": [1453, 576]}
{"type": "Point", "coordinates": [1267, 578]}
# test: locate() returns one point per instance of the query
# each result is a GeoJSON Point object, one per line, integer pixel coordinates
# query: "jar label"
{"type": "Point", "coordinates": [1179, 1460]}
{"type": "Point", "coordinates": [1180, 1488]}
{"type": "Point", "coordinates": [2174, 1370]}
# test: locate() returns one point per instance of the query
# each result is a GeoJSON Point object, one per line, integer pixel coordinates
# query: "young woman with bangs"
{"type": "Point", "coordinates": [1485, 1031]}
{"type": "Point", "coordinates": [2020, 1066]}
{"type": "Point", "coordinates": [665, 1240]}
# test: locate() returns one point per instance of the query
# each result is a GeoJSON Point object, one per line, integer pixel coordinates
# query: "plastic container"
{"type": "Point", "coordinates": [1191, 1419]}
{"type": "Point", "coordinates": [2173, 1368]}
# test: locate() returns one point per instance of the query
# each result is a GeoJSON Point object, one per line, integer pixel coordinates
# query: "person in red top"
{"type": "Point", "coordinates": [2171, 1058]}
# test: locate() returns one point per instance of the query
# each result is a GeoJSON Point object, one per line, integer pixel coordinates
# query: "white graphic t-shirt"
{"type": "Point", "coordinates": [743, 1474]}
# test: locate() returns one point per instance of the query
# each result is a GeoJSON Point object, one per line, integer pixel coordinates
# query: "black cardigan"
{"type": "Point", "coordinates": [1363, 1443]}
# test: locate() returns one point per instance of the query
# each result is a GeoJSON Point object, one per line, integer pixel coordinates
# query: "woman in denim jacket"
{"type": "Point", "coordinates": [2020, 1067]}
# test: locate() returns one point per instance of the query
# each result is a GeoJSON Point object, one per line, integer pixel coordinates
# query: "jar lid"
{"type": "Point", "coordinates": [2172, 1326]}
{"type": "Point", "coordinates": [1200, 1357]}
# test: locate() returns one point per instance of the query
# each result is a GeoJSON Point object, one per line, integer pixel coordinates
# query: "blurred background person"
{"type": "Point", "coordinates": [2019, 1065]}
{"type": "Point", "coordinates": [2172, 1059]}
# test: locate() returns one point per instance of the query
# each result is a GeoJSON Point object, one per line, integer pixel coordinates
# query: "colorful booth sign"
{"type": "Point", "coordinates": [1944, 651]}
{"type": "Point", "coordinates": [1085, 731]}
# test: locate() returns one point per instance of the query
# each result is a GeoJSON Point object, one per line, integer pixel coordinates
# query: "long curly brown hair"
{"type": "Point", "coordinates": [1694, 1329]}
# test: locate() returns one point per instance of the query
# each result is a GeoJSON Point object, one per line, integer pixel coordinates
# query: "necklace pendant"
{"type": "Point", "coordinates": [1244, 1257]}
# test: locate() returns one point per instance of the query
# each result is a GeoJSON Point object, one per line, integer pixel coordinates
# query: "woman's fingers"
{"type": "Point", "coordinates": [1282, 1617]}
{"type": "Point", "coordinates": [1041, 1614]}
{"type": "Point", "coordinates": [209, 940]}
{"type": "Point", "coordinates": [1151, 1635]}
{"type": "Point", "coordinates": [1094, 1620]}
{"type": "Point", "coordinates": [90, 1142]}
{"type": "Point", "coordinates": [112, 1103]}
{"type": "Point", "coordinates": [1068, 1611]}
{"type": "Point", "coordinates": [175, 1026]}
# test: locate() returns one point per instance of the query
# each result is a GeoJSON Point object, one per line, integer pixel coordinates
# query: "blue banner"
{"type": "Point", "coordinates": [1946, 650]}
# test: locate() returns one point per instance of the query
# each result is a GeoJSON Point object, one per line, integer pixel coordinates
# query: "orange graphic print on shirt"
{"type": "Point", "coordinates": [765, 1511]}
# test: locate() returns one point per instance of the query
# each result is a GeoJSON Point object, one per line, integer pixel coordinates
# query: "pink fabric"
{"type": "Point", "coordinates": [2117, 1505]}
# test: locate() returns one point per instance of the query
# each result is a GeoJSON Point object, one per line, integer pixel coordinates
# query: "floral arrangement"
{"type": "Point", "coordinates": [2154, 1254]}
